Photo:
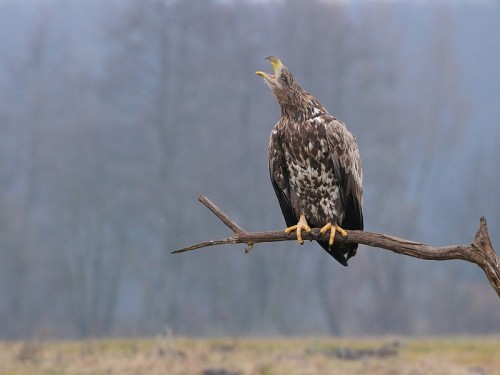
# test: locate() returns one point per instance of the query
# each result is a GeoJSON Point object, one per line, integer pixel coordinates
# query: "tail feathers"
{"type": "Point", "coordinates": [340, 253]}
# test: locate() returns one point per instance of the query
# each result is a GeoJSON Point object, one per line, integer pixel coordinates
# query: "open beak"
{"type": "Point", "coordinates": [276, 64]}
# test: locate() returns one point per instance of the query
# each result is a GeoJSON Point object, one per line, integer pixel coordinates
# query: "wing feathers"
{"type": "Point", "coordinates": [280, 179]}
{"type": "Point", "coordinates": [347, 168]}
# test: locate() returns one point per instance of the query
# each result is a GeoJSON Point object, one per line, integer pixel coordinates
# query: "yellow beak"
{"type": "Point", "coordinates": [276, 64]}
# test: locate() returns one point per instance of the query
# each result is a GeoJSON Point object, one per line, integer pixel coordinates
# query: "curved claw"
{"type": "Point", "coordinates": [332, 228]}
{"type": "Point", "coordinates": [299, 227]}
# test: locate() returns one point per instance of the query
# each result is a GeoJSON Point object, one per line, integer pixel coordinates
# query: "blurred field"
{"type": "Point", "coordinates": [164, 355]}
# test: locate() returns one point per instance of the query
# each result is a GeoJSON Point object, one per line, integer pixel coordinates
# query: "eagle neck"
{"type": "Point", "coordinates": [300, 114]}
{"type": "Point", "coordinates": [300, 106]}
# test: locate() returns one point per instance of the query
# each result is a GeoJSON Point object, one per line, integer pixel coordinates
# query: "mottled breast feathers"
{"type": "Point", "coordinates": [315, 169]}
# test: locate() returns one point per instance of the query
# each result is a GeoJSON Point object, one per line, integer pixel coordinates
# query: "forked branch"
{"type": "Point", "coordinates": [480, 251]}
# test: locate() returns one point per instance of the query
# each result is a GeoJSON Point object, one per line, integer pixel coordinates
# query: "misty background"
{"type": "Point", "coordinates": [116, 114]}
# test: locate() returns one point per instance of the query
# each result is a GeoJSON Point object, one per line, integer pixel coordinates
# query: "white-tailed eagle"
{"type": "Point", "coordinates": [314, 164]}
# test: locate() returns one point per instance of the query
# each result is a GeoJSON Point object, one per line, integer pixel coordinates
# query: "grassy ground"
{"type": "Point", "coordinates": [388, 356]}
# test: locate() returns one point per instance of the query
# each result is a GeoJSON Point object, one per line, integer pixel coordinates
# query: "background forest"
{"type": "Point", "coordinates": [116, 115]}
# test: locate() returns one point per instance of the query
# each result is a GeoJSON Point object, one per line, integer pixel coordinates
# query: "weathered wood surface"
{"type": "Point", "coordinates": [479, 252]}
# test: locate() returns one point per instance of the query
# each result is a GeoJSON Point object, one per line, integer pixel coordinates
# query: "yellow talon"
{"type": "Point", "coordinates": [342, 231]}
{"type": "Point", "coordinates": [326, 228]}
{"type": "Point", "coordinates": [299, 227]}
{"type": "Point", "coordinates": [332, 229]}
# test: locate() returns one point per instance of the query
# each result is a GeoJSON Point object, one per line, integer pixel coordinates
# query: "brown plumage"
{"type": "Point", "coordinates": [314, 164]}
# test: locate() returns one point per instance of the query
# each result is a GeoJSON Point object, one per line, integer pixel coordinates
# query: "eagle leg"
{"type": "Point", "coordinates": [301, 225]}
{"type": "Point", "coordinates": [332, 228]}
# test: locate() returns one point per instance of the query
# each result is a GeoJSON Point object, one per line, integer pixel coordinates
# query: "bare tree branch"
{"type": "Point", "coordinates": [480, 251]}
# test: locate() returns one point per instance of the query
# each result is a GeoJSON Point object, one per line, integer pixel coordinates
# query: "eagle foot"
{"type": "Point", "coordinates": [299, 227]}
{"type": "Point", "coordinates": [332, 228]}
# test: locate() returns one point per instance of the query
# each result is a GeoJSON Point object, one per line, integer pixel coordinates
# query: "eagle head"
{"type": "Point", "coordinates": [281, 82]}
{"type": "Point", "coordinates": [294, 101]}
